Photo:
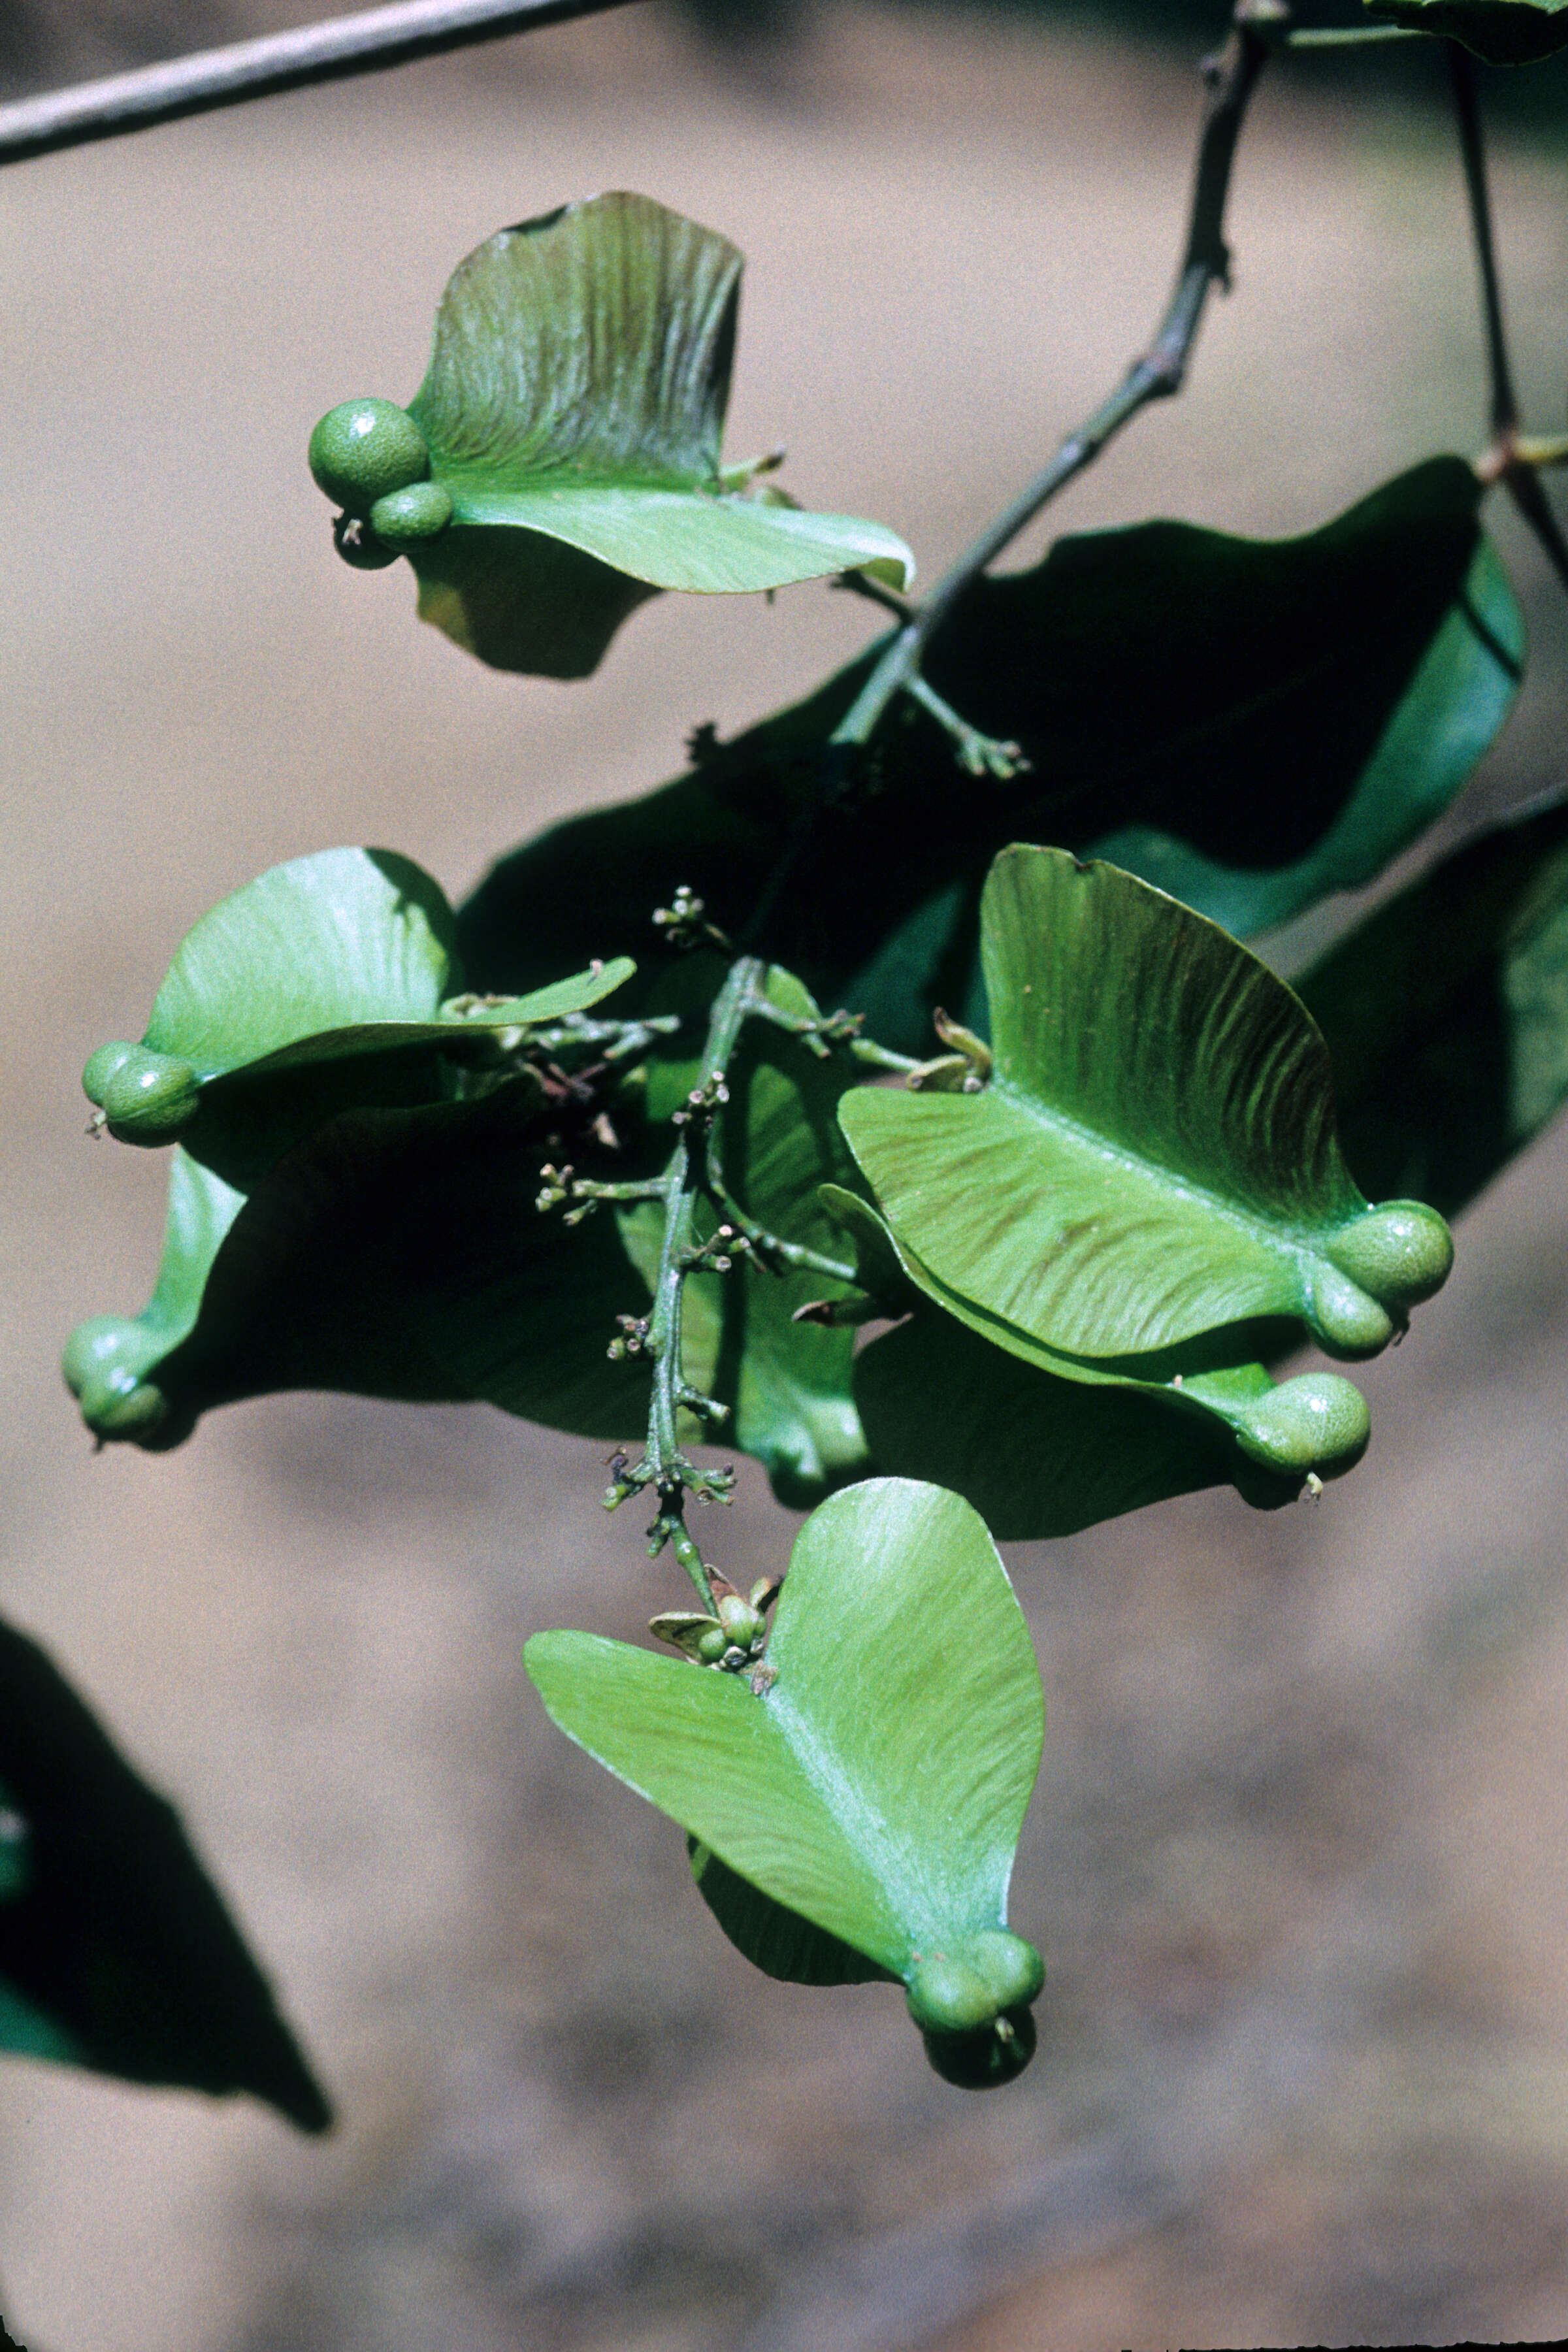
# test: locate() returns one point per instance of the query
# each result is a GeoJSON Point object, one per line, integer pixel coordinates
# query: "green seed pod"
{"type": "Point", "coordinates": [362, 449]}
{"type": "Point", "coordinates": [1347, 1319]}
{"type": "Point", "coordinates": [146, 1097]}
{"type": "Point", "coordinates": [711, 1647]}
{"type": "Point", "coordinates": [1401, 1251]}
{"type": "Point", "coordinates": [408, 518]}
{"type": "Point", "coordinates": [1316, 1422]}
{"type": "Point", "coordinates": [986, 2058]}
{"type": "Point", "coordinates": [1011, 1969]}
{"type": "Point", "coordinates": [740, 1620]}
{"type": "Point", "coordinates": [104, 1067]}
{"type": "Point", "coordinates": [947, 1995]}
{"type": "Point", "coordinates": [103, 1363]}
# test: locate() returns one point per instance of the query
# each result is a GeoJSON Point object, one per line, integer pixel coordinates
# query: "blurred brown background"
{"type": "Point", "coordinates": [1297, 1855]}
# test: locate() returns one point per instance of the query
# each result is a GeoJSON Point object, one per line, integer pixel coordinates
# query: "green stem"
{"type": "Point", "coordinates": [694, 1175]}
{"type": "Point", "coordinates": [770, 1248]}
{"type": "Point", "coordinates": [1231, 77]}
{"type": "Point", "coordinates": [882, 1057]}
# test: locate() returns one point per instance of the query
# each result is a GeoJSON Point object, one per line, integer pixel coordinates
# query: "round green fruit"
{"type": "Point", "coordinates": [410, 517]}
{"type": "Point", "coordinates": [1009, 1966]}
{"type": "Point", "coordinates": [741, 1622]}
{"type": "Point", "coordinates": [965, 1987]}
{"type": "Point", "coordinates": [103, 1365]}
{"type": "Point", "coordinates": [989, 2056]}
{"type": "Point", "coordinates": [146, 1097]}
{"type": "Point", "coordinates": [1347, 1319]}
{"type": "Point", "coordinates": [947, 1996]}
{"type": "Point", "coordinates": [104, 1068]}
{"type": "Point", "coordinates": [364, 449]}
{"type": "Point", "coordinates": [1401, 1251]}
{"type": "Point", "coordinates": [1317, 1422]}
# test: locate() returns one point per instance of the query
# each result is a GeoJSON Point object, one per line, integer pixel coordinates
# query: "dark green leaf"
{"type": "Point", "coordinates": [1503, 32]}
{"type": "Point", "coordinates": [116, 1950]}
{"type": "Point", "coordinates": [393, 1253]}
{"type": "Point", "coordinates": [1036, 1454]}
{"type": "Point", "coordinates": [878, 1786]}
{"type": "Point", "coordinates": [1447, 1014]}
{"type": "Point", "coordinates": [1154, 1156]}
{"type": "Point", "coordinates": [1276, 719]}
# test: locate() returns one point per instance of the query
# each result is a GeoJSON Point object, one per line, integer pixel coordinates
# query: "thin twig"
{"type": "Point", "coordinates": [1159, 371]}
{"type": "Point", "coordinates": [1231, 76]}
{"type": "Point", "coordinates": [1512, 460]}
{"type": "Point", "coordinates": [367, 42]}
{"type": "Point", "coordinates": [1465, 85]}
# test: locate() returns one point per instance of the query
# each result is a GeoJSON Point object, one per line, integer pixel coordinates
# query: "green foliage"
{"type": "Point", "coordinates": [320, 987]}
{"type": "Point", "coordinates": [1089, 1227]}
{"type": "Point", "coordinates": [876, 1784]}
{"type": "Point", "coordinates": [1447, 1014]}
{"type": "Point", "coordinates": [570, 423]}
{"type": "Point", "coordinates": [1250, 724]}
{"type": "Point", "coordinates": [116, 1950]}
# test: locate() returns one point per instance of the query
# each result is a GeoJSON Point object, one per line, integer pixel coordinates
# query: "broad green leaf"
{"type": "Point", "coordinates": [1445, 1014]}
{"type": "Point", "coordinates": [789, 1385]}
{"type": "Point", "coordinates": [116, 1950]}
{"type": "Point", "coordinates": [320, 986]}
{"type": "Point", "coordinates": [1042, 1443]}
{"type": "Point", "coordinates": [335, 942]}
{"type": "Point", "coordinates": [878, 1786]}
{"type": "Point", "coordinates": [1303, 709]}
{"type": "Point", "coordinates": [1503, 32]}
{"type": "Point", "coordinates": [569, 425]}
{"type": "Point", "coordinates": [1154, 1156]}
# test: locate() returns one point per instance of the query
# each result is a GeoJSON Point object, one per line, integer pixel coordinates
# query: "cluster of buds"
{"type": "Point", "coordinates": [633, 1340]}
{"type": "Point", "coordinates": [554, 1186]}
{"type": "Point", "coordinates": [685, 921]}
{"type": "Point", "coordinates": [718, 1253]}
{"type": "Point", "coordinates": [703, 1101]}
{"type": "Point", "coordinates": [558, 1184]}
